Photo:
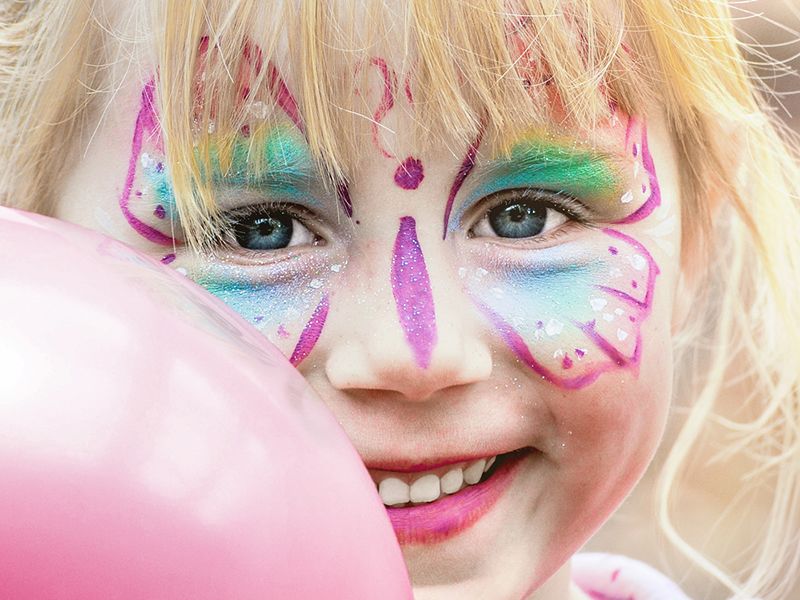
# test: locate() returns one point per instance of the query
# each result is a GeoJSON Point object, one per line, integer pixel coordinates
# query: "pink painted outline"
{"type": "Point", "coordinates": [144, 120]}
{"type": "Point", "coordinates": [618, 360]}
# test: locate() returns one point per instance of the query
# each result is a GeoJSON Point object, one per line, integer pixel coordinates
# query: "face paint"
{"type": "Point", "coordinates": [409, 174]}
{"type": "Point", "coordinates": [386, 102]}
{"type": "Point", "coordinates": [463, 171]}
{"type": "Point", "coordinates": [412, 293]}
{"type": "Point", "coordinates": [290, 310]}
{"type": "Point", "coordinates": [574, 311]}
{"type": "Point", "coordinates": [538, 163]}
{"type": "Point", "coordinates": [311, 332]}
{"type": "Point", "coordinates": [147, 192]}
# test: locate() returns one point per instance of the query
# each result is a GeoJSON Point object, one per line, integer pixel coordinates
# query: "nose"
{"type": "Point", "coordinates": [414, 332]}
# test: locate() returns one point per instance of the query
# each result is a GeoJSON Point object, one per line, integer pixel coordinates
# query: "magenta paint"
{"type": "Point", "coordinates": [514, 340]}
{"type": "Point", "coordinates": [343, 194]}
{"type": "Point", "coordinates": [654, 200]}
{"type": "Point", "coordinates": [159, 212]}
{"type": "Point", "coordinates": [146, 122]}
{"type": "Point", "coordinates": [409, 174]}
{"type": "Point", "coordinates": [284, 97]}
{"type": "Point", "coordinates": [463, 172]}
{"type": "Point", "coordinates": [167, 259]}
{"type": "Point", "coordinates": [407, 86]}
{"type": "Point", "coordinates": [613, 250]}
{"type": "Point", "coordinates": [412, 293]}
{"type": "Point", "coordinates": [653, 271]}
{"type": "Point", "coordinates": [311, 332]}
{"type": "Point", "coordinates": [386, 103]}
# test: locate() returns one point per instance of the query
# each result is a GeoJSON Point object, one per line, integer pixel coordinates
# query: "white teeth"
{"type": "Point", "coordinates": [473, 473]}
{"type": "Point", "coordinates": [452, 480]}
{"type": "Point", "coordinates": [425, 489]}
{"type": "Point", "coordinates": [393, 491]}
{"type": "Point", "coordinates": [429, 487]}
{"type": "Point", "coordinates": [489, 464]}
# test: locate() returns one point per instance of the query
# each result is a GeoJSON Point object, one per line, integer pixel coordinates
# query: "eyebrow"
{"type": "Point", "coordinates": [285, 163]}
{"type": "Point", "coordinates": [534, 160]}
{"type": "Point", "coordinates": [582, 171]}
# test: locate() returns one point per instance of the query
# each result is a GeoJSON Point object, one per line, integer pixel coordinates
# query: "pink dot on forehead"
{"type": "Point", "coordinates": [409, 173]}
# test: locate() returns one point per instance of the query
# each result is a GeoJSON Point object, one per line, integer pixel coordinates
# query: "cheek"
{"type": "Point", "coordinates": [577, 311]}
{"type": "Point", "coordinates": [292, 314]}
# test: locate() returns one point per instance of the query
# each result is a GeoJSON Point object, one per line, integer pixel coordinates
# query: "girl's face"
{"type": "Point", "coordinates": [491, 329]}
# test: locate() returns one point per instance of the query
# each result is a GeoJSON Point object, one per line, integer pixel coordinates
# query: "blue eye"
{"type": "Point", "coordinates": [269, 229]}
{"type": "Point", "coordinates": [519, 218]}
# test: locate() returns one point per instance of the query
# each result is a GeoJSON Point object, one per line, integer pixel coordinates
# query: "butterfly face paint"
{"type": "Point", "coordinates": [287, 300]}
{"type": "Point", "coordinates": [574, 310]}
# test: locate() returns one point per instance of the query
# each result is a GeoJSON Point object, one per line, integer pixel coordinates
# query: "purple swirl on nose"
{"type": "Point", "coordinates": [411, 287]}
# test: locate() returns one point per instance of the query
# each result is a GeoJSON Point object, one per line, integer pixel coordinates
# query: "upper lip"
{"type": "Point", "coordinates": [414, 465]}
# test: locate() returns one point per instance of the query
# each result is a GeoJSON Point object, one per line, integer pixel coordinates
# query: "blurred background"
{"type": "Point", "coordinates": [770, 29]}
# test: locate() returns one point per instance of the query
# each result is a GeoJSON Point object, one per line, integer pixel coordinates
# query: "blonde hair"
{"type": "Point", "coordinates": [739, 167]}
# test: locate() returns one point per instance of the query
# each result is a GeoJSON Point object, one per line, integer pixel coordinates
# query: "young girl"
{"type": "Point", "coordinates": [490, 235]}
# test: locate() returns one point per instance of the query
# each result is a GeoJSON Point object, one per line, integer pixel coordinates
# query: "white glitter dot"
{"type": "Point", "coordinates": [627, 197]}
{"type": "Point", "coordinates": [315, 283]}
{"type": "Point", "coordinates": [336, 268]}
{"type": "Point", "coordinates": [622, 335]}
{"type": "Point", "coordinates": [638, 262]}
{"type": "Point", "coordinates": [182, 271]}
{"type": "Point", "coordinates": [619, 312]}
{"type": "Point", "coordinates": [553, 327]}
{"type": "Point", "coordinates": [598, 303]}
{"type": "Point", "coordinates": [608, 317]}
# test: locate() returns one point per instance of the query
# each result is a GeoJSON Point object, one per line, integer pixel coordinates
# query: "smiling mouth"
{"type": "Point", "coordinates": [431, 506]}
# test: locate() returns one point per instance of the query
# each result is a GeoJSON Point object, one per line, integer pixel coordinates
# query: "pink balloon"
{"type": "Point", "coordinates": [155, 446]}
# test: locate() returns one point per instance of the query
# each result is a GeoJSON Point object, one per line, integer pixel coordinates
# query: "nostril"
{"type": "Point", "coordinates": [355, 366]}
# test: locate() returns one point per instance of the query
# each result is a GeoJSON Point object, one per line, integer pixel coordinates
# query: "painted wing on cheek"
{"type": "Point", "coordinates": [572, 324]}
{"type": "Point", "coordinates": [147, 201]}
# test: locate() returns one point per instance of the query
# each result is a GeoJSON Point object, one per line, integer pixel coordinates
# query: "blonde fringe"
{"type": "Point", "coordinates": [464, 77]}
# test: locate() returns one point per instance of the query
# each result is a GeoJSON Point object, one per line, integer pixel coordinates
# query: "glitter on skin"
{"type": "Point", "coordinates": [412, 293]}
{"type": "Point", "coordinates": [534, 162]}
{"type": "Point", "coordinates": [569, 317]}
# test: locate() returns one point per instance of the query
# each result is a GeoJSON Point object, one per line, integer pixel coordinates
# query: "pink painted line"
{"type": "Point", "coordinates": [608, 348]}
{"type": "Point", "coordinates": [145, 121]}
{"type": "Point", "coordinates": [284, 97]}
{"type": "Point", "coordinates": [311, 332]}
{"type": "Point", "coordinates": [655, 190]}
{"type": "Point", "coordinates": [518, 346]}
{"type": "Point", "coordinates": [653, 270]}
{"type": "Point", "coordinates": [411, 287]}
{"type": "Point", "coordinates": [463, 171]}
{"type": "Point", "coordinates": [387, 101]}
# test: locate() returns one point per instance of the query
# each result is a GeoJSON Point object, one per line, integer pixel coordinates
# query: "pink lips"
{"type": "Point", "coordinates": [437, 521]}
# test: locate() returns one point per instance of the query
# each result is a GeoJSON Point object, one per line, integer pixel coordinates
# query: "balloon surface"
{"type": "Point", "coordinates": [155, 446]}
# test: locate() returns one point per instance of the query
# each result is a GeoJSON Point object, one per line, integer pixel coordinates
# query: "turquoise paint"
{"type": "Point", "coordinates": [547, 165]}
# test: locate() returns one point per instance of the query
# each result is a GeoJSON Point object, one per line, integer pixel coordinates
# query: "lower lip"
{"type": "Point", "coordinates": [437, 521]}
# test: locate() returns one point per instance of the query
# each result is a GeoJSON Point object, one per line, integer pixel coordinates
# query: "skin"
{"type": "Point", "coordinates": [456, 382]}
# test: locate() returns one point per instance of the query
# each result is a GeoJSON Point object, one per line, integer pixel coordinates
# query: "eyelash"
{"type": "Point", "coordinates": [577, 213]}
{"type": "Point", "coordinates": [575, 210]}
{"type": "Point", "coordinates": [224, 237]}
